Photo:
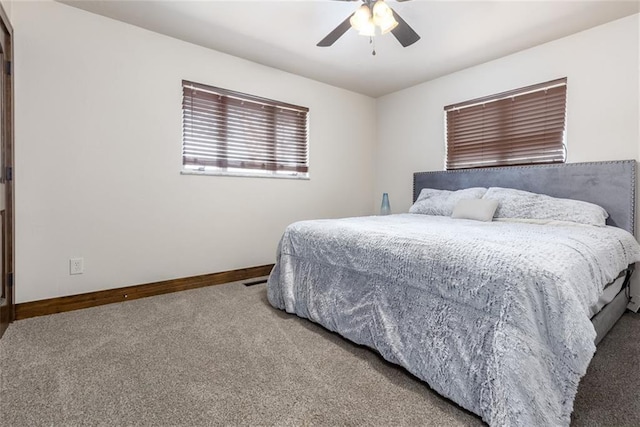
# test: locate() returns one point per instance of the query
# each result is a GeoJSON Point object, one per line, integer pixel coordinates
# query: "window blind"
{"type": "Point", "coordinates": [231, 130]}
{"type": "Point", "coordinates": [523, 126]}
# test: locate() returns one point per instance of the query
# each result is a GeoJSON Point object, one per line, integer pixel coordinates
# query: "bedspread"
{"type": "Point", "coordinates": [492, 315]}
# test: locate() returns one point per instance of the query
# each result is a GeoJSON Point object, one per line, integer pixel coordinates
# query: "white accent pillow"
{"type": "Point", "coordinates": [523, 204]}
{"type": "Point", "coordinates": [476, 209]}
{"type": "Point", "coordinates": [442, 202]}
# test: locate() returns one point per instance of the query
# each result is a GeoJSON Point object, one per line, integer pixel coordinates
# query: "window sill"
{"type": "Point", "coordinates": [244, 175]}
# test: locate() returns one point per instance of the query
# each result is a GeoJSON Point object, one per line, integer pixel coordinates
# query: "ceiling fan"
{"type": "Point", "coordinates": [367, 17]}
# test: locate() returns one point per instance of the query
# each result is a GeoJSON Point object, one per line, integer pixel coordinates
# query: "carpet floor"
{"type": "Point", "coordinates": [223, 356]}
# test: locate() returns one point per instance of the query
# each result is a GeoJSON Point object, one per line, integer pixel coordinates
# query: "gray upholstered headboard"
{"type": "Point", "coordinates": [611, 184]}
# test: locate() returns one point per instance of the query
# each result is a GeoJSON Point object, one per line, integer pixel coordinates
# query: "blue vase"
{"type": "Point", "coordinates": [385, 208]}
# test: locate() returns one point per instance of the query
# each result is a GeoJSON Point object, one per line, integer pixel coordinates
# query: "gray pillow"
{"type": "Point", "coordinates": [476, 209]}
{"type": "Point", "coordinates": [523, 204]}
{"type": "Point", "coordinates": [442, 202]}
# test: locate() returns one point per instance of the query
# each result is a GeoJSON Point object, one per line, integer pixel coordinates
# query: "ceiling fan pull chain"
{"type": "Point", "coordinates": [373, 46]}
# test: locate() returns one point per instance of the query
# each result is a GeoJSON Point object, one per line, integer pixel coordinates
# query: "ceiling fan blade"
{"type": "Point", "coordinates": [403, 32]}
{"type": "Point", "coordinates": [336, 33]}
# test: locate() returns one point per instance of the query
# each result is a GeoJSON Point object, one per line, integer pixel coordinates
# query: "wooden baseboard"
{"type": "Point", "coordinates": [92, 299]}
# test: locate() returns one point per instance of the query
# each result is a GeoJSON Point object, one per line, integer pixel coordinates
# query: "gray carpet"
{"type": "Point", "coordinates": [222, 356]}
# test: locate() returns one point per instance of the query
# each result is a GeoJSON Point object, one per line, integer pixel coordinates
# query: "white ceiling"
{"type": "Point", "coordinates": [283, 34]}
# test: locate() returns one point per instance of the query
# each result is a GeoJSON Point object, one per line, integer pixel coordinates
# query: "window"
{"type": "Point", "coordinates": [523, 126]}
{"type": "Point", "coordinates": [230, 133]}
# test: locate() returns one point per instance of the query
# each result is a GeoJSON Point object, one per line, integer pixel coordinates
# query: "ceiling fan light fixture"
{"type": "Point", "coordinates": [383, 17]}
{"type": "Point", "coordinates": [361, 18]}
{"type": "Point", "coordinates": [368, 29]}
{"type": "Point", "coordinates": [387, 24]}
{"type": "Point", "coordinates": [369, 15]}
{"type": "Point", "coordinates": [381, 10]}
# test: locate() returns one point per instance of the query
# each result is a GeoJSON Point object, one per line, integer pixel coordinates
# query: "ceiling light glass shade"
{"type": "Point", "coordinates": [383, 17]}
{"type": "Point", "coordinates": [369, 29]}
{"type": "Point", "coordinates": [361, 18]}
{"type": "Point", "coordinates": [387, 24]}
{"type": "Point", "coordinates": [381, 10]}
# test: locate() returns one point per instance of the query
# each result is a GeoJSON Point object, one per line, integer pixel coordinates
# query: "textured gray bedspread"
{"type": "Point", "coordinates": [492, 315]}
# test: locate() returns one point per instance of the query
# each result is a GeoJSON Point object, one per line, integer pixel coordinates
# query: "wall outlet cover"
{"type": "Point", "coordinates": [76, 265]}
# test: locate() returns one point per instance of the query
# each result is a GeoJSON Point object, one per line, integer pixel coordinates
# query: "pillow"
{"type": "Point", "coordinates": [523, 204]}
{"type": "Point", "coordinates": [476, 209]}
{"type": "Point", "coordinates": [442, 202]}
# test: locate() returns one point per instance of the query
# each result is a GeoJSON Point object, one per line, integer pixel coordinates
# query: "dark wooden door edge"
{"type": "Point", "coordinates": [4, 18]}
{"type": "Point", "coordinates": [7, 313]}
{"type": "Point", "coordinates": [92, 299]}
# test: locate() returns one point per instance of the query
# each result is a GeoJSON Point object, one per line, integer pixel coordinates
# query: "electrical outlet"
{"type": "Point", "coordinates": [76, 265]}
{"type": "Point", "coordinates": [634, 305]}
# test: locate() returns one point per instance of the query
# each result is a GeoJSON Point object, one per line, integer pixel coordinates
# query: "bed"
{"type": "Point", "coordinates": [495, 316]}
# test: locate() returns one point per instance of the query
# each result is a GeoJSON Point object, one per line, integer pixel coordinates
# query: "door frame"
{"type": "Point", "coordinates": [7, 315]}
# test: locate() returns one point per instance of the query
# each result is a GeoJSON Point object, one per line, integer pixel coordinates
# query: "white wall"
{"type": "Point", "coordinates": [98, 140]}
{"type": "Point", "coordinates": [602, 67]}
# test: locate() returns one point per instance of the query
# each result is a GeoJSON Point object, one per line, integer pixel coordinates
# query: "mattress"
{"type": "Point", "coordinates": [494, 316]}
{"type": "Point", "coordinates": [608, 294]}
